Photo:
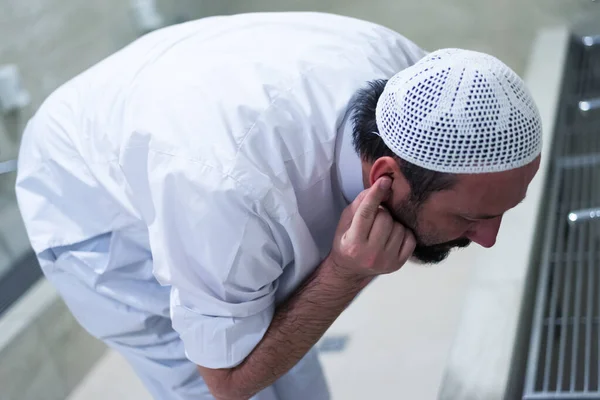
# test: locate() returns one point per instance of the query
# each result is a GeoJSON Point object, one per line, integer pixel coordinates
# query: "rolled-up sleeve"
{"type": "Point", "coordinates": [211, 242]}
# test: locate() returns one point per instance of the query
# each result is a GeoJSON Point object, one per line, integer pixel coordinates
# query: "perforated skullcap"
{"type": "Point", "coordinates": [460, 111]}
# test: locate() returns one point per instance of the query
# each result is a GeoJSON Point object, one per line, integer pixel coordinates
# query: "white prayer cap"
{"type": "Point", "coordinates": [460, 111]}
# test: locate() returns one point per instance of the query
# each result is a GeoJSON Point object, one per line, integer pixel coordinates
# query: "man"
{"type": "Point", "coordinates": [209, 199]}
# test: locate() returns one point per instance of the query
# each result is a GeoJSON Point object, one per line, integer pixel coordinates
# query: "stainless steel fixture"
{"type": "Point", "coordinates": [585, 106]}
{"type": "Point", "coordinates": [579, 216]}
{"type": "Point", "coordinates": [590, 40]}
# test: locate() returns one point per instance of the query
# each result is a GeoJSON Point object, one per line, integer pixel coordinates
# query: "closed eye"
{"type": "Point", "coordinates": [478, 218]}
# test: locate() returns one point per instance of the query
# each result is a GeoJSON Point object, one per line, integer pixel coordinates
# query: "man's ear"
{"type": "Point", "coordinates": [388, 166]}
{"type": "Point", "coordinates": [384, 166]}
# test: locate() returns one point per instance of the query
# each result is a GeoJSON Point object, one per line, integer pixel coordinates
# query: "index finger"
{"type": "Point", "coordinates": [365, 214]}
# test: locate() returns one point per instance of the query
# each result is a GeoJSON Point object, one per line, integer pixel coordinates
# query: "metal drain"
{"type": "Point", "coordinates": [564, 351]}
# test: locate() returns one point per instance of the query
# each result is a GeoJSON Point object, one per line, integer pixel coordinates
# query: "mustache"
{"type": "Point", "coordinates": [460, 243]}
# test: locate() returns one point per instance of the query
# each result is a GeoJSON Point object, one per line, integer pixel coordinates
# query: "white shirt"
{"type": "Point", "coordinates": [217, 140]}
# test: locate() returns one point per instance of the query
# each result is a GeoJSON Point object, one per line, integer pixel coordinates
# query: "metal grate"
{"type": "Point", "coordinates": [564, 353]}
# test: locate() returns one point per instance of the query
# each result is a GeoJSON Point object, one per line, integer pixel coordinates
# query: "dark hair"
{"type": "Point", "coordinates": [370, 146]}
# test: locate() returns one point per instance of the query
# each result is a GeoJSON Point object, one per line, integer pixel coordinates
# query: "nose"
{"type": "Point", "coordinates": [484, 233]}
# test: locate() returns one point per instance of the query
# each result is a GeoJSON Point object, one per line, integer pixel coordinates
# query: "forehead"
{"type": "Point", "coordinates": [489, 194]}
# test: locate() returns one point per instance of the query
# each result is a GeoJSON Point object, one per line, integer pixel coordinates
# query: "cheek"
{"type": "Point", "coordinates": [441, 228]}
{"type": "Point", "coordinates": [438, 221]}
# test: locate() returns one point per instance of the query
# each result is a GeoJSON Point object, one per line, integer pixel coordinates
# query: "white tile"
{"type": "Point", "coordinates": [401, 329]}
{"type": "Point", "coordinates": [111, 378]}
{"type": "Point", "coordinates": [73, 351]}
{"type": "Point", "coordinates": [42, 384]}
{"type": "Point", "coordinates": [27, 370]}
{"type": "Point", "coordinates": [25, 311]}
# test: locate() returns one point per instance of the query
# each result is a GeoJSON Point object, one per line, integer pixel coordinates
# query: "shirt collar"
{"type": "Point", "coordinates": [348, 163]}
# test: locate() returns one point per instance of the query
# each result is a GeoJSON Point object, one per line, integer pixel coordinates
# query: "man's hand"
{"type": "Point", "coordinates": [368, 241]}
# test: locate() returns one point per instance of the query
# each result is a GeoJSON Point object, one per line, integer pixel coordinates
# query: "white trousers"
{"type": "Point", "coordinates": [108, 285]}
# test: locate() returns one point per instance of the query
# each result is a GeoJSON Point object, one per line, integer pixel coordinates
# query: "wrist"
{"type": "Point", "coordinates": [345, 276]}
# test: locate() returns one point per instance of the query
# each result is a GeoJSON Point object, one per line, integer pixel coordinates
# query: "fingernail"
{"type": "Point", "coordinates": [385, 183]}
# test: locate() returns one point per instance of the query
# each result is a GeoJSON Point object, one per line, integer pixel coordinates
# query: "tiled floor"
{"type": "Point", "coordinates": [400, 330]}
{"type": "Point", "coordinates": [111, 378]}
{"type": "Point", "coordinates": [505, 28]}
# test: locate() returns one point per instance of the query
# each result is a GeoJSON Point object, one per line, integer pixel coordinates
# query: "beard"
{"type": "Point", "coordinates": [407, 215]}
{"type": "Point", "coordinates": [436, 253]}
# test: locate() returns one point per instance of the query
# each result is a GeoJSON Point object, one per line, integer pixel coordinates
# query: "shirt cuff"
{"type": "Point", "coordinates": [220, 342]}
